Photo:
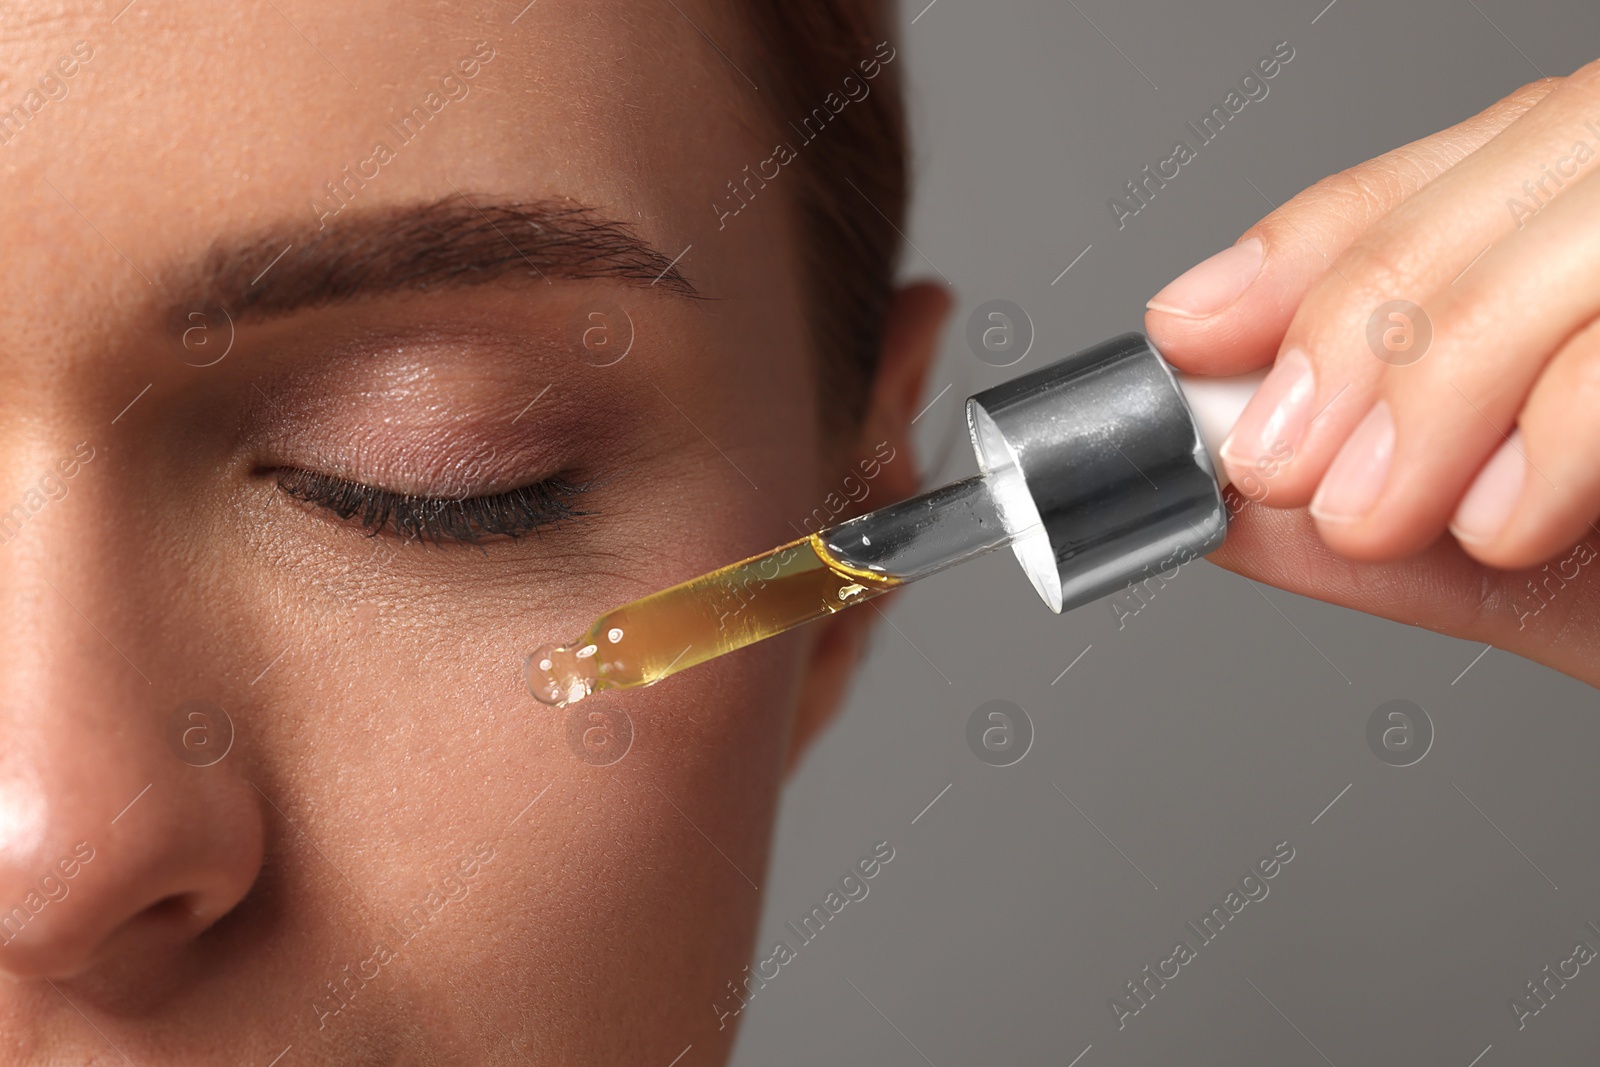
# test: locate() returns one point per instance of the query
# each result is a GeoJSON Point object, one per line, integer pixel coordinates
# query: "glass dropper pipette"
{"type": "Point", "coordinates": [642, 642]}
{"type": "Point", "coordinates": [1095, 469]}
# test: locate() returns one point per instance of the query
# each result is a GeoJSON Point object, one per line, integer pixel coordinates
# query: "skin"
{"type": "Point", "coordinates": [1513, 371]}
{"type": "Point", "coordinates": [383, 741]}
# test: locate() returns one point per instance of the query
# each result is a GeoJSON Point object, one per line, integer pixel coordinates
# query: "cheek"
{"type": "Point", "coordinates": [413, 763]}
{"type": "Point", "coordinates": [605, 882]}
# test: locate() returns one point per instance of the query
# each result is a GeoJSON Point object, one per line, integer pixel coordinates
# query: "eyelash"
{"type": "Point", "coordinates": [466, 520]}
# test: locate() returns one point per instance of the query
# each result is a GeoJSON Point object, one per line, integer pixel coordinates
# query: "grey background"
{"type": "Point", "coordinates": [1207, 730]}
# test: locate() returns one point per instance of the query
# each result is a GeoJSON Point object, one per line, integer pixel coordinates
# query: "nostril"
{"type": "Point", "coordinates": [178, 909]}
{"type": "Point", "coordinates": [130, 907]}
{"type": "Point", "coordinates": [115, 860]}
{"type": "Point", "coordinates": [171, 919]}
{"type": "Point", "coordinates": [67, 947]}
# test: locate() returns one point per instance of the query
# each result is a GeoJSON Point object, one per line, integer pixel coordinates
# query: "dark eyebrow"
{"type": "Point", "coordinates": [442, 244]}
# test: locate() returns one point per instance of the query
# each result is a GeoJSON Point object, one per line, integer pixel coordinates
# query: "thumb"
{"type": "Point", "coordinates": [1229, 314]}
{"type": "Point", "coordinates": [1549, 615]}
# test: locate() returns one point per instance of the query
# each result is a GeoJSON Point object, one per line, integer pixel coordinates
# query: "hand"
{"type": "Point", "coordinates": [1487, 427]}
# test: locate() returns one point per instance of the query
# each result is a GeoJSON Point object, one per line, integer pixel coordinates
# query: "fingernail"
{"type": "Point", "coordinates": [1486, 508]}
{"type": "Point", "coordinates": [1276, 417]}
{"type": "Point", "coordinates": [1208, 287]}
{"type": "Point", "coordinates": [1354, 481]}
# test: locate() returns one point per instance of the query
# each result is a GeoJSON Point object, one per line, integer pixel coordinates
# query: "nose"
{"type": "Point", "coordinates": [122, 836]}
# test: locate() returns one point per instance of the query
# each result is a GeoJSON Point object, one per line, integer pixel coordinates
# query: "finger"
{"type": "Point", "coordinates": [1403, 473]}
{"type": "Point", "coordinates": [1530, 613]}
{"type": "Point", "coordinates": [1539, 493]}
{"type": "Point", "coordinates": [1228, 314]}
{"type": "Point", "coordinates": [1343, 327]}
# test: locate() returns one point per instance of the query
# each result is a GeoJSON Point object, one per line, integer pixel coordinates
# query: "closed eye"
{"type": "Point", "coordinates": [464, 520]}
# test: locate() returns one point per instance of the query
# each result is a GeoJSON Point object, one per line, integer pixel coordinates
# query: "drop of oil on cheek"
{"type": "Point", "coordinates": [558, 675]}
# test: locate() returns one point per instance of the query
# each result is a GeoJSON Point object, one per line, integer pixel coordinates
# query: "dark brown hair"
{"type": "Point", "coordinates": [847, 182]}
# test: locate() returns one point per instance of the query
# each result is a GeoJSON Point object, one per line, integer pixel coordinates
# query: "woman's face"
{"type": "Point", "coordinates": [440, 250]}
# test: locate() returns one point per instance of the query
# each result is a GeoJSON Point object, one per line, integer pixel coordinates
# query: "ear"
{"type": "Point", "coordinates": [911, 336]}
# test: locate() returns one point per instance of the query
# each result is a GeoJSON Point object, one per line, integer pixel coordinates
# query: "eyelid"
{"type": "Point", "coordinates": [461, 520]}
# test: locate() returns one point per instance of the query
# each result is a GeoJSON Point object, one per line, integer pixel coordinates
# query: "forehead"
{"type": "Point", "coordinates": [133, 136]}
